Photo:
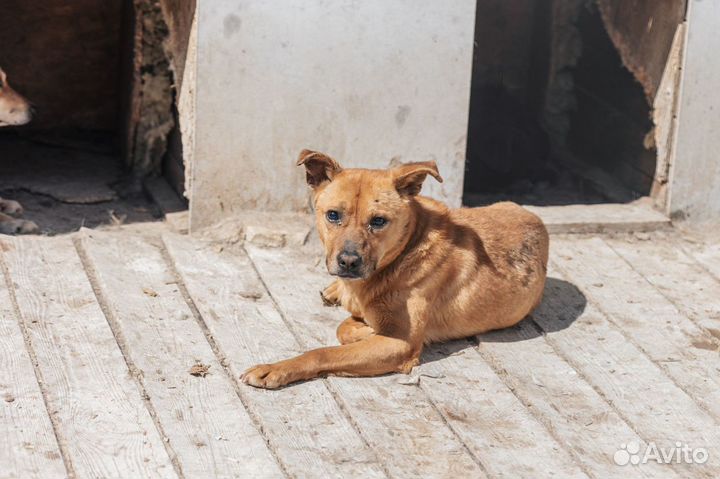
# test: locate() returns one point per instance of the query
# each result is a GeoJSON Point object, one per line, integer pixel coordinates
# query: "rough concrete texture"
{"type": "Point", "coordinates": [695, 173]}
{"type": "Point", "coordinates": [261, 228]}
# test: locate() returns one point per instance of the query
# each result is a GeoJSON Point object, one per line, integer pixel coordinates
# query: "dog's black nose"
{"type": "Point", "coordinates": [349, 263]}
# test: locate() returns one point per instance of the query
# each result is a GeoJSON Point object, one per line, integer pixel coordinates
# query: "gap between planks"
{"type": "Point", "coordinates": [122, 345]}
{"type": "Point", "coordinates": [226, 286]}
{"type": "Point", "coordinates": [221, 357]}
{"type": "Point", "coordinates": [19, 320]}
{"type": "Point", "coordinates": [330, 388]}
{"type": "Point", "coordinates": [80, 362]}
{"type": "Point", "coordinates": [489, 354]}
{"type": "Point", "coordinates": [474, 366]}
{"type": "Point", "coordinates": [649, 272]}
{"type": "Point", "coordinates": [192, 411]}
{"type": "Point", "coordinates": [337, 395]}
{"type": "Point", "coordinates": [605, 290]}
{"type": "Point", "coordinates": [674, 412]}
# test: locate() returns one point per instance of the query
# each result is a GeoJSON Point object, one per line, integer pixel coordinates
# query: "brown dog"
{"type": "Point", "coordinates": [410, 270]}
{"type": "Point", "coordinates": [14, 110]}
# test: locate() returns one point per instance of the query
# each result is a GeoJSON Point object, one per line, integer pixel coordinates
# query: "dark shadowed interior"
{"type": "Point", "coordinates": [74, 61]}
{"type": "Point", "coordinates": [556, 116]}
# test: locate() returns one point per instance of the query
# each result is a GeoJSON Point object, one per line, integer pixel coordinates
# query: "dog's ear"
{"type": "Point", "coordinates": [410, 176]}
{"type": "Point", "coordinates": [319, 167]}
{"type": "Point", "coordinates": [3, 79]}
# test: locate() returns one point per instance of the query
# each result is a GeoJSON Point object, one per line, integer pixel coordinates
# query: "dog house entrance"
{"type": "Point", "coordinates": [556, 115]}
{"type": "Point", "coordinates": [83, 158]}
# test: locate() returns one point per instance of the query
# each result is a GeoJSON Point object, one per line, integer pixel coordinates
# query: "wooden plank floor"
{"type": "Point", "coordinates": [101, 332]}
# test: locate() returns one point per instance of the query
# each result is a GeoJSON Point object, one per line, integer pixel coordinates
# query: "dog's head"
{"type": "Point", "coordinates": [14, 109]}
{"type": "Point", "coordinates": [364, 217]}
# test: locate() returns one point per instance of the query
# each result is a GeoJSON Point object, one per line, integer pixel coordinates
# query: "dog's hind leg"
{"type": "Point", "coordinates": [352, 330]}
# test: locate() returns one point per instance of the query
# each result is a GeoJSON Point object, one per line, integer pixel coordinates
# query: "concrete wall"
{"type": "Point", "coordinates": [365, 81]}
{"type": "Point", "coordinates": [694, 192]}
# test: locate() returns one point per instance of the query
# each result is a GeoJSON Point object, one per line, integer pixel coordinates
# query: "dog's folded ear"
{"type": "Point", "coordinates": [319, 167]}
{"type": "Point", "coordinates": [409, 177]}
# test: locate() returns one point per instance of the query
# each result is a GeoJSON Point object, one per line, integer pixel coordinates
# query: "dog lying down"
{"type": "Point", "coordinates": [410, 270]}
{"type": "Point", "coordinates": [14, 110]}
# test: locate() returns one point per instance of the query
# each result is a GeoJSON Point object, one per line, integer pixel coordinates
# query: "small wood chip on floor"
{"type": "Point", "coordinates": [199, 370]}
{"type": "Point", "coordinates": [150, 292]}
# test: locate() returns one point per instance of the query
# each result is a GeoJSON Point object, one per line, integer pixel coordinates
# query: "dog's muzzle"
{"type": "Point", "coordinates": [349, 264]}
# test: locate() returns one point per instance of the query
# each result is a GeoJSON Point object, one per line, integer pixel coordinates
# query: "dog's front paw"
{"type": "Point", "coordinates": [11, 226]}
{"type": "Point", "coordinates": [268, 376]}
{"type": "Point", "coordinates": [331, 295]}
{"type": "Point", "coordinates": [28, 227]}
{"type": "Point", "coordinates": [11, 207]}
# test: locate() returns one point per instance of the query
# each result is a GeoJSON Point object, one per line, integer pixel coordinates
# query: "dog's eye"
{"type": "Point", "coordinates": [332, 216]}
{"type": "Point", "coordinates": [378, 222]}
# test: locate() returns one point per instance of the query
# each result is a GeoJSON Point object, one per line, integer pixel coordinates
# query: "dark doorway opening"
{"type": "Point", "coordinates": [555, 117]}
{"type": "Point", "coordinates": [74, 164]}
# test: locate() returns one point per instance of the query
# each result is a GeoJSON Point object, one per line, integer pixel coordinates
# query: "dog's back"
{"type": "Point", "coordinates": [509, 232]}
{"type": "Point", "coordinates": [499, 253]}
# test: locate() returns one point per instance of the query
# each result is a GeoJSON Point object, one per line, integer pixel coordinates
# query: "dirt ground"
{"type": "Point", "coordinates": [55, 217]}
{"type": "Point", "coordinates": [65, 184]}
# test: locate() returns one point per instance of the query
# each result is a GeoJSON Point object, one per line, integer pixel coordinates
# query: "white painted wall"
{"type": "Point", "coordinates": [694, 192]}
{"type": "Point", "coordinates": [364, 81]}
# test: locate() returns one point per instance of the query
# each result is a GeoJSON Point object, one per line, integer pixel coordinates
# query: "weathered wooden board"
{"type": "Point", "coordinates": [686, 352]}
{"type": "Point", "coordinates": [708, 256]}
{"type": "Point", "coordinates": [28, 447]}
{"type": "Point", "coordinates": [305, 426]}
{"type": "Point", "coordinates": [210, 431]}
{"type": "Point", "coordinates": [579, 417]}
{"type": "Point", "coordinates": [637, 388]}
{"type": "Point", "coordinates": [678, 277]}
{"type": "Point", "coordinates": [494, 424]}
{"type": "Point", "coordinates": [398, 420]}
{"type": "Point", "coordinates": [100, 415]}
